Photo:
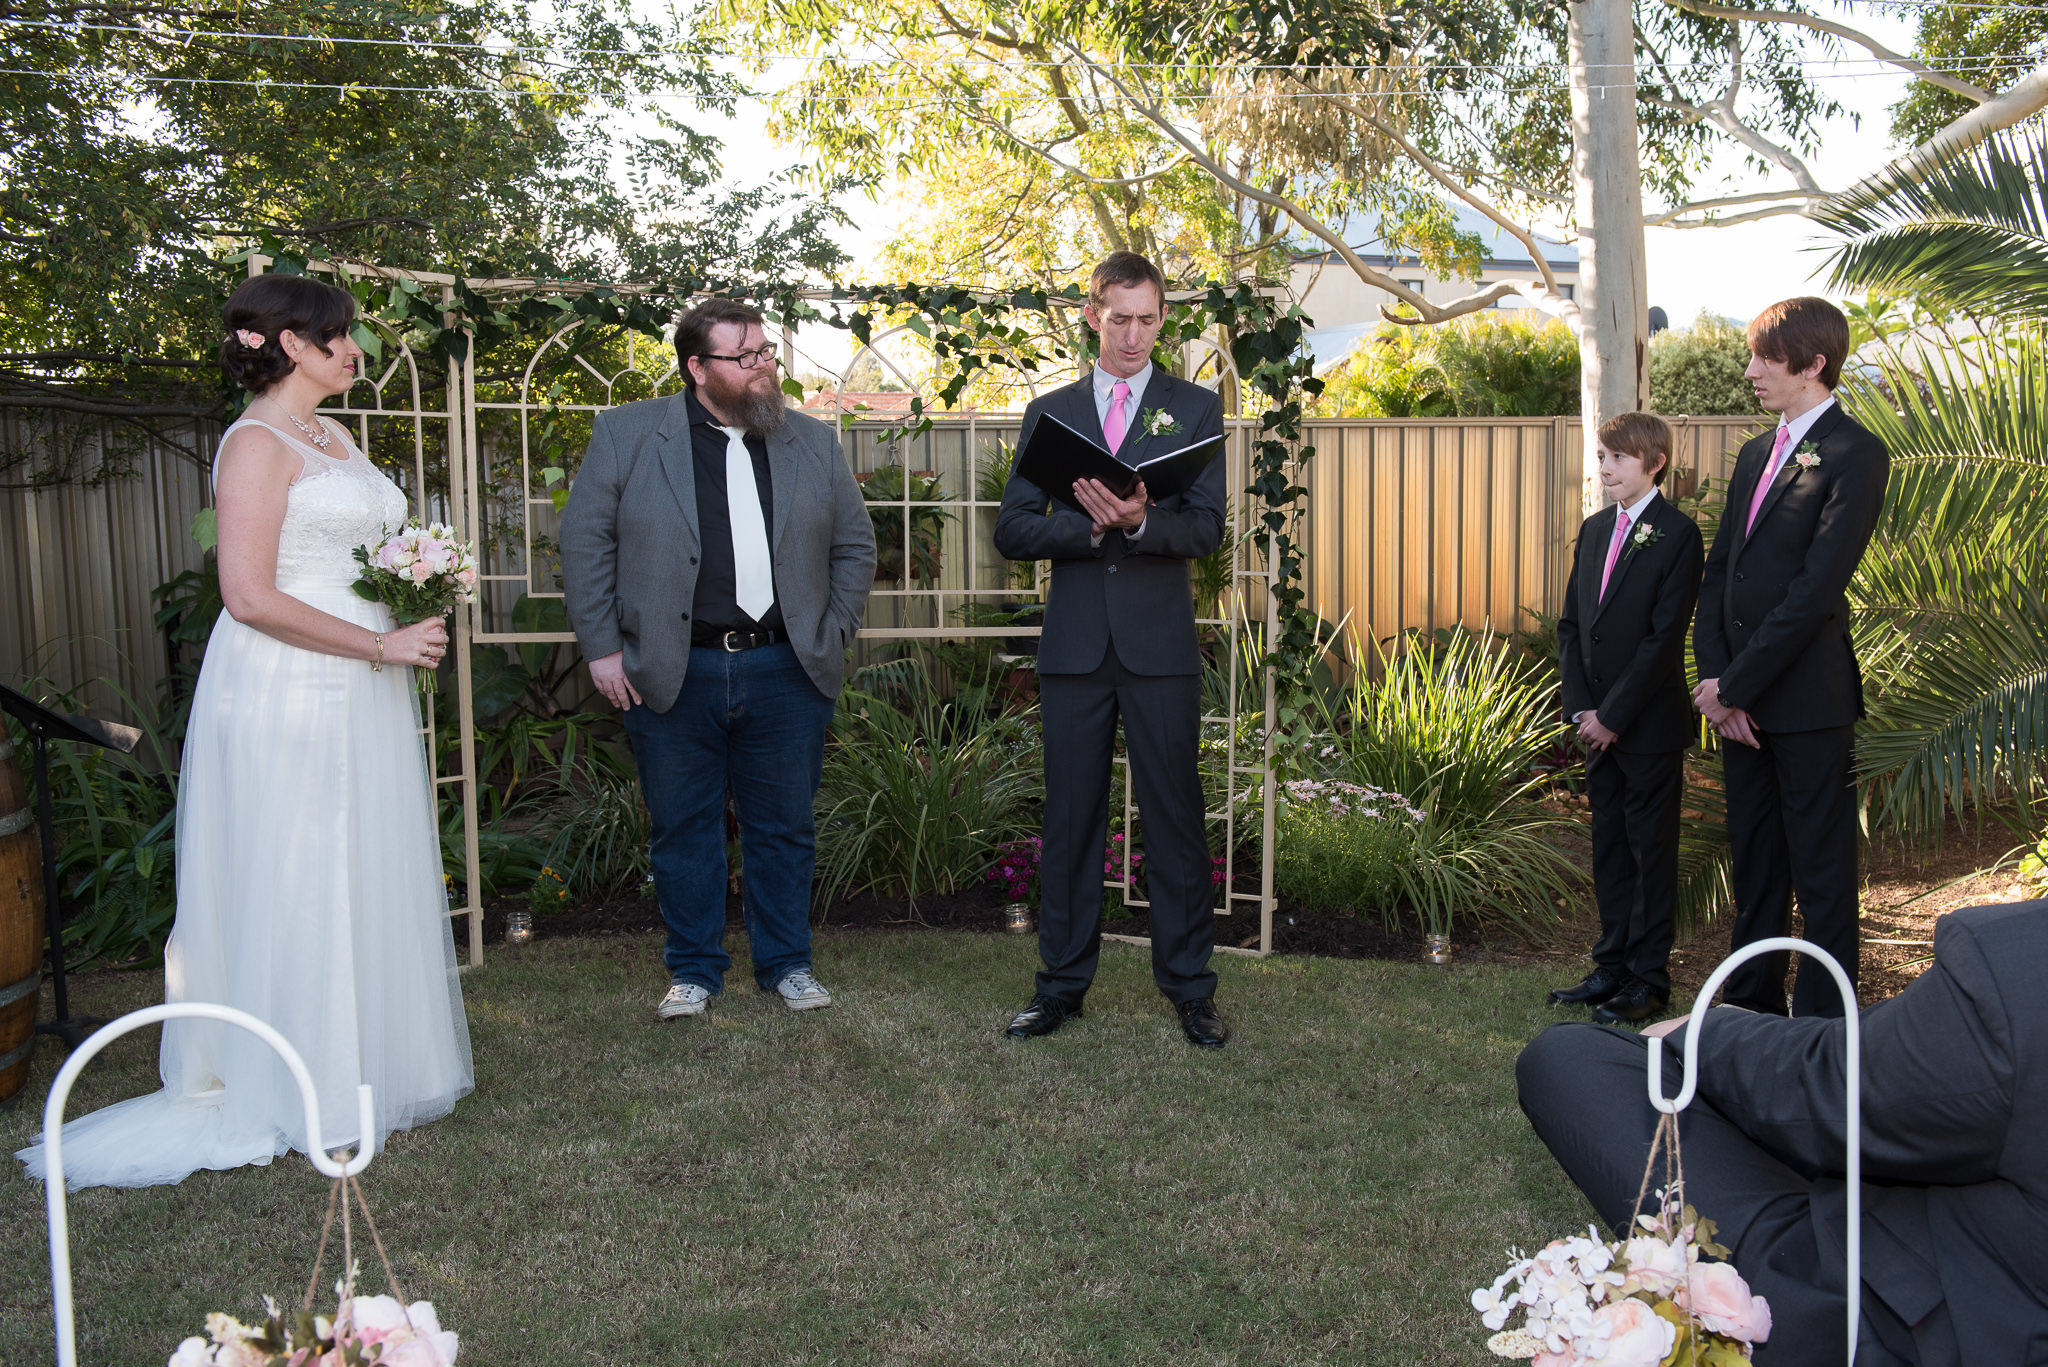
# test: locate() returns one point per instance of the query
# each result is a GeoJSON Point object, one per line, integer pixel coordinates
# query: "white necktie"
{"type": "Point", "coordinates": [753, 575]}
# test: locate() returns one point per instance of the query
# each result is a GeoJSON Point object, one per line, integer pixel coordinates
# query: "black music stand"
{"type": "Point", "coordinates": [44, 726]}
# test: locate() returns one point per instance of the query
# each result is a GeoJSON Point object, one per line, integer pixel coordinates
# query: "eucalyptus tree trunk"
{"type": "Point", "coordinates": [1607, 193]}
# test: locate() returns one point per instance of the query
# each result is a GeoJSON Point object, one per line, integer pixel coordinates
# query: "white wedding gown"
{"type": "Point", "coordinates": [309, 881]}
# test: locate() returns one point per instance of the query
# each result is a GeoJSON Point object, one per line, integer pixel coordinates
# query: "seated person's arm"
{"type": "Point", "coordinates": [1937, 1091]}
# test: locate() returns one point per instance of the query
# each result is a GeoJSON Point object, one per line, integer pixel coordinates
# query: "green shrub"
{"type": "Point", "coordinates": [1342, 847]}
{"type": "Point", "coordinates": [1454, 724]}
{"type": "Point", "coordinates": [1697, 371]}
{"type": "Point", "coordinates": [920, 796]}
{"type": "Point", "coordinates": [1485, 365]}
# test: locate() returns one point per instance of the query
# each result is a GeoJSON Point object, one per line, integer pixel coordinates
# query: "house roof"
{"type": "Point", "coordinates": [1501, 251]}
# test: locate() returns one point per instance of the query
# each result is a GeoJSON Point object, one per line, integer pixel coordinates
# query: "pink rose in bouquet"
{"type": "Point", "coordinates": [1720, 1297]}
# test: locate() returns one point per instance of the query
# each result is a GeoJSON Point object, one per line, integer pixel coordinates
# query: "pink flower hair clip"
{"type": "Point", "coordinates": [251, 340]}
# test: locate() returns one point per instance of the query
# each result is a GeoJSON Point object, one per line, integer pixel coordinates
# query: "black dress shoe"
{"type": "Point", "coordinates": [1200, 1023]}
{"type": "Point", "coordinates": [1633, 1005]}
{"type": "Point", "coordinates": [1596, 987]}
{"type": "Point", "coordinates": [1042, 1017]}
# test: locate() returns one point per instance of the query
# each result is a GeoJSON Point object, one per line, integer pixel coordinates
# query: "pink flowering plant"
{"type": "Point", "coordinates": [1016, 868]}
{"type": "Point", "coordinates": [420, 571]}
{"type": "Point", "coordinates": [366, 1331]}
{"type": "Point", "coordinates": [1651, 1300]}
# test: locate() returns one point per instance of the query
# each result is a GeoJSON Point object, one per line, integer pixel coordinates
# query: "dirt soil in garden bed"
{"type": "Point", "coordinates": [1905, 890]}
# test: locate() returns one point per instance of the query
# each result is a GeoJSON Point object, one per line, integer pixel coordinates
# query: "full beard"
{"type": "Point", "coordinates": [746, 406]}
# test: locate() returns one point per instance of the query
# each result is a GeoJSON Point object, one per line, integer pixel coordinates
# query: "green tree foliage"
{"type": "Point", "coordinates": [141, 144]}
{"type": "Point", "coordinates": [1990, 46]}
{"type": "Point", "coordinates": [1697, 371]}
{"type": "Point", "coordinates": [1951, 615]}
{"type": "Point", "coordinates": [1489, 365]}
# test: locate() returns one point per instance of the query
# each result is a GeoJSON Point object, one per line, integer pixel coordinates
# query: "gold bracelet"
{"type": "Point", "coordinates": [377, 665]}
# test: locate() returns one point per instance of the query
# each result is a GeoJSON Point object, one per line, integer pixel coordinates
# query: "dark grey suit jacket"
{"type": "Point", "coordinates": [1955, 1128]}
{"type": "Point", "coordinates": [629, 545]}
{"type": "Point", "coordinates": [1773, 622]}
{"type": "Point", "coordinates": [1624, 655]}
{"type": "Point", "coordinates": [1134, 595]}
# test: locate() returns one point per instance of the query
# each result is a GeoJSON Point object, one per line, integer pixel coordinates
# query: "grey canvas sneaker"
{"type": "Point", "coordinates": [683, 999]}
{"type": "Point", "coordinates": [801, 992]}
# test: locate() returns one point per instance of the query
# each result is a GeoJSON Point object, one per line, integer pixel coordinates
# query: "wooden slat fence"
{"type": "Point", "coordinates": [1412, 523]}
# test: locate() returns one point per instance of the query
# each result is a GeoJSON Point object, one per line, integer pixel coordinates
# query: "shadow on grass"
{"type": "Point", "coordinates": [889, 1181]}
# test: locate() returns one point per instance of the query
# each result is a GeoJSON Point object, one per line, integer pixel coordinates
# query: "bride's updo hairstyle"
{"type": "Point", "coordinates": [264, 306]}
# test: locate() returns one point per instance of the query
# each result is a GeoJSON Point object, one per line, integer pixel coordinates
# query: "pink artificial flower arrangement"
{"type": "Point", "coordinates": [419, 571]}
{"type": "Point", "coordinates": [1646, 1301]}
{"type": "Point", "coordinates": [365, 1330]}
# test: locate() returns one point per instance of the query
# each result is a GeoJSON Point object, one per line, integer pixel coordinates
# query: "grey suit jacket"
{"type": "Point", "coordinates": [1955, 1130]}
{"type": "Point", "coordinates": [630, 545]}
{"type": "Point", "coordinates": [1133, 595]}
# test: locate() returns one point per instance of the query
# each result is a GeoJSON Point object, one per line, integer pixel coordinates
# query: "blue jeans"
{"type": "Point", "coordinates": [750, 722]}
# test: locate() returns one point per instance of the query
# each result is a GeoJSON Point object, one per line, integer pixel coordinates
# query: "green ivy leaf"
{"type": "Point", "coordinates": [205, 529]}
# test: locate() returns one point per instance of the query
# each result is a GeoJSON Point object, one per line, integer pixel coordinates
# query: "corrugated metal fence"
{"type": "Point", "coordinates": [1412, 523]}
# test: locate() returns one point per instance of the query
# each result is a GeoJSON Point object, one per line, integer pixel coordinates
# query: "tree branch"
{"type": "Point", "coordinates": [1861, 39]}
{"type": "Point", "coordinates": [2024, 97]}
{"type": "Point", "coordinates": [67, 404]}
{"type": "Point", "coordinates": [1669, 217]}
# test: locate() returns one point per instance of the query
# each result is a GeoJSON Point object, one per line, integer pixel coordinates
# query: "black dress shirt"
{"type": "Point", "coordinates": [715, 609]}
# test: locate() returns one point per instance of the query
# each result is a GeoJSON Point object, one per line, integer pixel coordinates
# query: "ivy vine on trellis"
{"type": "Point", "coordinates": [968, 332]}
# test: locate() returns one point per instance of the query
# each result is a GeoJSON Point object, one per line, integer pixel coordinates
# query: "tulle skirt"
{"type": "Point", "coordinates": [309, 895]}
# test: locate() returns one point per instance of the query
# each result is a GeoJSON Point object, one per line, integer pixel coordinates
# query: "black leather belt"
{"type": "Point", "coordinates": [734, 641]}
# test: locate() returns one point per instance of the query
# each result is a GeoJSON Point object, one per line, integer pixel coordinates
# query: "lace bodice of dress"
{"type": "Point", "coordinates": [338, 503]}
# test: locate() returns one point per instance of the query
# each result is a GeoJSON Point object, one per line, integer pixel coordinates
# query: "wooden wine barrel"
{"type": "Point", "coordinates": [21, 923]}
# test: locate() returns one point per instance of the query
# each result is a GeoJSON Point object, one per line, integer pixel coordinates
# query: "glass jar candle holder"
{"type": "Point", "coordinates": [1017, 918]}
{"type": "Point", "coordinates": [1436, 949]}
{"type": "Point", "coordinates": [519, 927]}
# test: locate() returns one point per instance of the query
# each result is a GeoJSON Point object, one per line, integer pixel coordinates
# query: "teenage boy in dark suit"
{"type": "Point", "coordinates": [1621, 648]}
{"type": "Point", "coordinates": [1778, 676]}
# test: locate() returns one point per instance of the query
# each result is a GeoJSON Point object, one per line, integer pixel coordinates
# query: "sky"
{"type": "Point", "coordinates": [1733, 271]}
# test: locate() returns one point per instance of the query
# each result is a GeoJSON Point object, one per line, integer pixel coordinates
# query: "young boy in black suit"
{"type": "Point", "coordinates": [1621, 648]}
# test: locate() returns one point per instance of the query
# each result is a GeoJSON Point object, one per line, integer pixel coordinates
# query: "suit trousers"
{"type": "Point", "coordinates": [1792, 830]}
{"type": "Point", "coordinates": [1581, 1085]}
{"type": "Point", "coordinates": [1635, 858]}
{"type": "Point", "coordinates": [1162, 721]}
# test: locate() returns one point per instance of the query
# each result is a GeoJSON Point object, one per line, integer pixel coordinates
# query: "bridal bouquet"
{"type": "Point", "coordinates": [419, 571]}
{"type": "Point", "coordinates": [365, 1330]}
{"type": "Point", "coordinates": [1646, 1301]}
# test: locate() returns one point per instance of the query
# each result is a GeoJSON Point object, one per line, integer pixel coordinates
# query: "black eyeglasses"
{"type": "Point", "coordinates": [746, 360]}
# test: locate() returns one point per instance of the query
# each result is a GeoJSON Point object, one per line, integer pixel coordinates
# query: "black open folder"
{"type": "Point", "coordinates": [1057, 456]}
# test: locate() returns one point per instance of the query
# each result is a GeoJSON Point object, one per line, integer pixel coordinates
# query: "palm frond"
{"type": "Point", "coordinates": [1962, 229]}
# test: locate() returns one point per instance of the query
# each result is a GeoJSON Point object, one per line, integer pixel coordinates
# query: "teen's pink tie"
{"type": "Point", "coordinates": [1763, 484]}
{"type": "Point", "coordinates": [1614, 550]}
{"type": "Point", "coordinates": [1114, 426]}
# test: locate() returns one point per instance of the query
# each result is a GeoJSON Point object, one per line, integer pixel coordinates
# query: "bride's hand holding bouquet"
{"type": "Point", "coordinates": [421, 573]}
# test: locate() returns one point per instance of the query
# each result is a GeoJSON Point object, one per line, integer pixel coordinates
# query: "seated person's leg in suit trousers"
{"type": "Point", "coordinates": [1583, 1088]}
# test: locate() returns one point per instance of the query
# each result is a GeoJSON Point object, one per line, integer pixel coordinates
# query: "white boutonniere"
{"type": "Point", "coordinates": [1645, 535]}
{"type": "Point", "coordinates": [1160, 423]}
{"type": "Point", "coordinates": [1808, 455]}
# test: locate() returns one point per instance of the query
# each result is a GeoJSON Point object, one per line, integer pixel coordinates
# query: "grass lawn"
{"type": "Point", "coordinates": [888, 1181]}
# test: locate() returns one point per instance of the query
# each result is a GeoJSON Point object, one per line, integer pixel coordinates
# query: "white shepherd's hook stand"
{"type": "Point", "coordinates": [53, 1134]}
{"type": "Point", "coordinates": [1853, 1066]}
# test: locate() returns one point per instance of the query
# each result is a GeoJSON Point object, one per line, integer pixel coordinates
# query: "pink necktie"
{"type": "Point", "coordinates": [1763, 484]}
{"type": "Point", "coordinates": [1614, 551]}
{"type": "Point", "coordinates": [1114, 425]}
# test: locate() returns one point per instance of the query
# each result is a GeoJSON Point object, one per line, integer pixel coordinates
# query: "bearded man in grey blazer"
{"type": "Point", "coordinates": [716, 558]}
{"type": "Point", "coordinates": [1119, 645]}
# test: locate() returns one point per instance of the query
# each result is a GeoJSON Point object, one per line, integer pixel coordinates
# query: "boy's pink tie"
{"type": "Point", "coordinates": [1763, 485]}
{"type": "Point", "coordinates": [1614, 550]}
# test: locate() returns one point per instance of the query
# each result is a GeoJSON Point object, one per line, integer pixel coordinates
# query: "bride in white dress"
{"type": "Point", "coordinates": [309, 866]}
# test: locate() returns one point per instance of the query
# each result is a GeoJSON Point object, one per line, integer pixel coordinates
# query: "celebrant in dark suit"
{"type": "Point", "coordinates": [1119, 644]}
{"type": "Point", "coordinates": [1778, 675]}
{"type": "Point", "coordinates": [1621, 650]}
{"type": "Point", "coordinates": [1955, 1176]}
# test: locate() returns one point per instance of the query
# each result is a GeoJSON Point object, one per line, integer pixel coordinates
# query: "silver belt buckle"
{"type": "Point", "coordinates": [726, 641]}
